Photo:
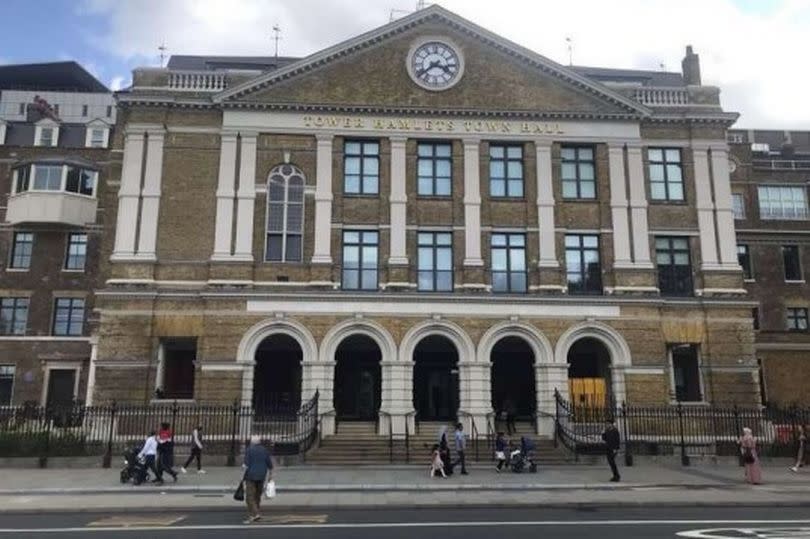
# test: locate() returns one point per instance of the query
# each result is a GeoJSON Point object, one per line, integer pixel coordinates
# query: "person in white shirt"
{"type": "Point", "coordinates": [149, 454]}
{"type": "Point", "coordinates": [196, 450]}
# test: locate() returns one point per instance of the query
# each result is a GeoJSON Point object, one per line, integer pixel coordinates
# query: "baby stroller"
{"type": "Point", "coordinates": [520, 459]}
{"type": "Point", "coordinates": [134, 468]}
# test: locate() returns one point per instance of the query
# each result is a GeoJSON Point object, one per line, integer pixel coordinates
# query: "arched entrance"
{"type": "Point", "coordinates": [358, 375]}
{"type": "Point", "coordinates": [435, 379]}
{"type": "Point", "coordinates": [513, 378]}
{"type": "Point", "coordinates": [589, 374]}
{"type": "Point", "coordinates": [277, 375]}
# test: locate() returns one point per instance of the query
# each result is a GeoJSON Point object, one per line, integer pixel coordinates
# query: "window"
{"type": "Point", "coordinates": [744, 258]}
{"type": "Point", "coordinates": [22, 109]}
{"type": "Point", "coordinates": [578, 172]}
{"type": "Point", "coordinates": [505, 170]}
{"type": "Point", "coordinates": [46, 137]}
{"type": "Point", "coordinates": [76, 251]}
{"type": "Point", "coordinates": [21, 250]}
{"type": "Point", "coordinates": [582, 264]}
{"type": "Point", "coordinates": [508, 263]}
{"type": "Point", "coordinates": [793, 267]}
{"type": "Point", "coordinates": [176, 370]}
{"type": "Point", "coordinates": [109, 111]}
{"type": "Point", "coordinates": [686, 373]}
{"type": "Point", "coordinates": [23, 179]}
{"type": "Point", "coordinates": [797, 319]}
{"type": "Point", "coordinates": [435, 250]}
{"type": "Point", "coordinates": [738, 206]}
{"type": "Point", "coordinates": [13, 316]}
{"type": "Point", "coordinates": [48, 177]}
{"type": "Point", "coordinates": [755, 317]}
{"type": "Point", "coordinates": [360, 253]}
{"type": "Point", "coordinates": [285, 214]}
{"type": "Point", "coordinates": [434, 169]}
{"type": "Point", "coordinates": [84, 110]}
{"type": "Point", "coordinates": [6, 384]}
{"type": "Point", "coordinates": [68, 318]}
{"type": "Point", "coordinates": [361, 168]}
{"type": "Point", "coordinates": [80, 181]}
{"type": "Point", "coordinates": [674, 266]}
{"type": "Point", "coordinates": [784, 203]}
{"type": "Point", "coordinates": [98, 138]}
{"type": "Point", "coordinates": [666, 177]}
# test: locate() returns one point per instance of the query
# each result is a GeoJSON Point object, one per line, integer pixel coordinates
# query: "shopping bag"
{"type": "Point", "coordinates": [500, 455]}
{"type": "Point", "coordinates": [239, 495]}
{"type": "Point", "coordinates": [270, 489]}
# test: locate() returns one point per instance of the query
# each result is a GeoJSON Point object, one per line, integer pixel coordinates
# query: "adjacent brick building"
{"type": "Point", "coordinates": [56, 121]}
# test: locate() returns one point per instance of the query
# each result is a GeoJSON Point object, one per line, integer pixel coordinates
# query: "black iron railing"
{"type": "Point", "coordinates": [103, 431]}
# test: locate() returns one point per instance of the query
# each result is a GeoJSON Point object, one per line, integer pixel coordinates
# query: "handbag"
{"type": "Point", "coordinates": [239, 495]}
{"type": "Point", "coordinates": [748, 456]}
{"type": "Point", "coordinates": [500, 455]}
{"type": "Point", "coordinates": [270, 489]}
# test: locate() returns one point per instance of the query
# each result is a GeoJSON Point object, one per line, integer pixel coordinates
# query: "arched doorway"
{"type": "Point", "coordinates": [358, 375]}
{"type": "Point", "coordinates": [277, 375]}
{"type": "Point", "coordinates": [513, 378]}
{"type": "Point", "coordinates": [589, 377]}
{"type": "Point", "coordinates": [435, 379]}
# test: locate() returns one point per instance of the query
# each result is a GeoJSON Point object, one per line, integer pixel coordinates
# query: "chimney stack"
{"type": "Point", "coordinates": [691, 67]}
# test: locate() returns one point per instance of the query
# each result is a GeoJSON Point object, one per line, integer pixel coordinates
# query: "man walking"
{"type": "Point", "coordinates": [461, 446]}
{"type": "Point", "coordinates": [149, 454]}
{"type": "Point", "coordinates": [613, 442]}
{"type": "Point", "coordinates": [258, 469]}
{"type": "Point", "coordinates": [196, 450]}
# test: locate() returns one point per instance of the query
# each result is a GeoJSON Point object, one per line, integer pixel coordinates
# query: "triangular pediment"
{"type": "Point", "coordinates": [371, 71]}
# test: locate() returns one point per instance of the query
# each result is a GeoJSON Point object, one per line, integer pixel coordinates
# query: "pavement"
{"type": "Point", "coordinates": [379, 487]}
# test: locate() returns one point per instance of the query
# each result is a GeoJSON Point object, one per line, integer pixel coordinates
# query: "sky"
{"type": "Point", "coordinates": [752, 49]}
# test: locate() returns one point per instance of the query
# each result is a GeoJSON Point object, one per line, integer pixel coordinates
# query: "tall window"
{"type": "Point", "coordinates": [13, 316]}
{"type": "Point", "coordinates": [285, 214]}
{"type": "Point", "coordinates": [46, 137]}
{"type": "Point", "coordinates": [80, 181]}
{"type": "Point", "coordinates": [360, 254]}
{"type": "Point", "coordinates": [686, 373]}
{"type": "Point", "coordinates": [97, 138]}
{"type": "Point", "coordinates": [782, 202]}
{"type": "Point", "coordinates": [582, 264]}
{"type": "Point", "coordinates": [68, 317]}
{"type": "Point", "coordinates": [793, 266]}
{"type": "Point", "coordinates": [674, 266]}
{"type": "Point", "coordinates": [176, 371]}
{"type": "Point", "coordinates": [48, 177]}
{"type": "Point", "coordinates": [666, 176]}
{"type": "Point", "coordinates": [76, 251]}
{"type": "Point", "coordinates": [6, 384]}
{"type": "Point", "coordinates": [797, 318]}
{"type": "Point", "coordinates": [435, 261]}
{"type": "Point", "coordinates": [21, 250]}
{"type": "Point", "coordinates": [509, 263]}
{"type": "Point", "coordinates": [738, 206]}
{"type": "Point", "coordinates": [361, 167]}
{"type": "Point", "coordinates": [744, 259]}
{"type": "Point", "coordinates": [434, 169]}
{"type": "Point", "coordinates": [578, 172]}
{"type": "Point", "coordinates": [505, 170]}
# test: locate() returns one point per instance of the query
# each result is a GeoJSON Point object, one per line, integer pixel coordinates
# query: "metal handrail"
{"type": "Point", "coordinates": [408, 435]}
{"type": "Point", "coordinates": [474, 431]}
{"type": "Point", "coordinates": [390, 434]}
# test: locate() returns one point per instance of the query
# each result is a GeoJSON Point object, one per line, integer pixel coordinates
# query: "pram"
{"type": "Point", "coordinates": [134, 468]}
{"type": "Point", "coordinates": [520, 459]}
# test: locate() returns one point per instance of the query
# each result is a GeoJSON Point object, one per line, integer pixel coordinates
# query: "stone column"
{"type": "Point", "coordinates": [548, 377]}
{"type": "Point", "coordinates": [246, 199]}
{"type": "Point", "coordinates": [397, 395]}
{"type": "Point", "coordinates": [705, 209]}
{"type": "Point", "coordinates": [150, 203]}
{"type": "Point", "coordinates": [638, 208]}
{"type": "Point", "coordinates": [223, 235]}
{"type": "Point", "coordinates": [475, 393]}
{"type": "Point", "coordinates": [129, 197]}
{"type": "Point", "coordinates": [472, 204]}
{"type": "Point", "coordinates": [91, 374]}
{"type": "Point", "coordinates": [398, 200]}
{"type": "Point", "coordinates": [323, 201]}
{"type": "Point", "coordinates": [545, 205]}
{"type": "Point", "coordinates": [723, 208]}
{"type": "Point", "coordinates": [618, 208]}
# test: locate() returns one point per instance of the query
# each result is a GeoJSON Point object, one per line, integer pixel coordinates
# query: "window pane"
{"type": "Point", "coordinates": [351, 257]}
{"type": "Point", "coordinates": [88, 182]}
{"type": "Point", "coordinates": [371, 148]}
{"type": "Point", "coordinates": [443, 168]}
{"type": "Point", "coordinates": [499, 259]}
{"type": "Point", "coordinates": [443, 150]}
{"type": "Point", "coordinates": [274, 247]}
{"type": "Point", "coordinates": [444, 259]}
{"type": "Point", "coordinates": [369, 279]}
{"type": "Point", "coordinates": [497, 169]}
{"type": "Point", "coordinates": [424, 150]}
{"type": "Point", "coordinates": [517, 259]}
{"type": "Point", "coordinates": [295, 217]}
{"type": "Point", "coordinates": [370, 185]}
{"type": "Point", "coordinates": [425, 280]}
{"type": "Point", "coordinates": [514, 152]}
{"type": "Point", "coordinates": [587, 189]}
{"type": "Point", "coordinates": [293, 253]}
{"type": "Point", "coordinates": [674, 173]}
{"type": "Point", "coordinates": [425, 168]}
{"type": "Point", "coordinates": [572, 241]}
{"type": "Point", "coordinates": [586, 171]}
{"type": "Point", "coordinates": [676, 191]}
{"type": "Point", "coordinates": [351, 279]}
{"type": "Point", "coordinates": [425, 258]}
{"type": "Point", "coordinates": [658, 191]}
{"type": "Point", "coordinates": [497, 188]}
{"type": "Point", "coordinates": [496, 151]}
{"type": "Point", "coordinates": [444, 239]}
{"type": "Point", "coordinates": [673, 156]}
{"type": "Point", "coordinates": [517, 239]}
{"type": "Point", "coordinates": [352, 165]}
{"type": "Point", "coordinates": [352, 184]}
{"type": "Point", "coordinates": [515, 188]}
{"type": "Point", "coordinates": [369, 257]}
{"type": "Point", "coordinates": [569, 170]}
{"type": "Point", "coordinates": [586, 154]}
{"type": "Point", "coordinates": [500, 281]}
{"type": "Point", "coordinates": [518, 282]}
{"type": "Point", "coordinates": [443, 187]}
{"type": "Point", "coordinates": [352, 148]}
{"type": "Point", "coordinates": [371, 166]}
{"type": "Point", "coordinates": [498, 239]}
{"type": "Point", "coordinates": [515, 169]}
{"type": "Point", "coordinates": [444, 281]}
{"type": "Point", "coordinates": [569, 189]}
{"type": "Point", "coordinates": [655, 154]}
{"type": "Point", "coordinates": [425, 186]}
{"type": "Point", "coordinates": [656, 173]}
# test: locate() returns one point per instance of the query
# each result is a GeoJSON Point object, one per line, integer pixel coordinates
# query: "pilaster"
{"type": "Point", "coordinates": [398, 200]}
{"type": "Point", "coordinates": [638, 207]}
{"type": "Point", "coordinates": [323, 201]}
{"type": "Point", "coordinates": [150, 203]}
{"type": "Point", "coordinates": [472, 203]}
{"type": "Point", "coordinates": [705, 209]}
{"type": "Point", "coordinates": [545, 205]}
{"type": "Point", "coordinates": [223, 236]}
{"type": "Point", "coordinates": [618, 207]}
{"type": "Point", "coordinates": [723, 208]}
{"type": "Point", "coordinates": [246, 199]}
{"type": "Point", "coordinates": [129, 197]}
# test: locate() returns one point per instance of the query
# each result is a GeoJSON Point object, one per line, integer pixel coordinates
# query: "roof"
{"type": "Point", "coordinates": [643, 77]}
{"type": "Point", "coordinates": [51, 77]}
{"type": "Point", "coordinates": [209, 63]}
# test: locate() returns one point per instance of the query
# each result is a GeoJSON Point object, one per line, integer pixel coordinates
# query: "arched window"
{"type": "Point", "coordinates": [285, 214]}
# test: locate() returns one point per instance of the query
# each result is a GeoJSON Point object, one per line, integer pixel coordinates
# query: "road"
{"type": "Point", "coordinates": [400, 523]}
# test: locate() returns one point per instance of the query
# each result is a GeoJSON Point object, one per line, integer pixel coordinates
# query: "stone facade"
{"type": "Point", "coordinates": [191, 214]}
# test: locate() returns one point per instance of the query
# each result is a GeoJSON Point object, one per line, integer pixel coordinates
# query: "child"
{"type": "Point", "coordinates": [500, 451]}
{"type": "Point", "coordinates": [436, 464]}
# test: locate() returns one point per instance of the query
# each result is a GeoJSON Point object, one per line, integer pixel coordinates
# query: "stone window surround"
{"type": "Point", "coordinates": [14, 299]}
{"type": "Point", "coordinates": [63, 187]}
{"type": "Point", "coordinates": [60, 365]}
{"type": "Point", "coordinates": [12, 252]}
{"type": "Point", "coordinates": [285, 232]}
{"type": "Point", "coordinates": [702, 389]}
{"type": "Point", "coordinates": [44, 124]}
{"type": "Point", "coordinates": [794, 316]}
{"type": "Point", "coordinates": [70, 236]}
{"type": "Point", "coordinates": [72, 297]}
{"type": "Point", "coordinates": [13, 369]}
{"type": "Point", "coordinates": [97, 125]}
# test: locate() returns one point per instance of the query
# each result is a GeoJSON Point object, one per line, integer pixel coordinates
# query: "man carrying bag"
{"type": "Point", "coordinates": [258, 469]}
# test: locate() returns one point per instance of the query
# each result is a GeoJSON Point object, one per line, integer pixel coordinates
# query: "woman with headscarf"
{"type": "Point", "coordinates": [750, 458]}
{"type": "Point", "coordinates": [444, 450]}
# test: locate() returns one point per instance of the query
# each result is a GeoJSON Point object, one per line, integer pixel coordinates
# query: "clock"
{"type": "Point", "coordinates": [435, 64]}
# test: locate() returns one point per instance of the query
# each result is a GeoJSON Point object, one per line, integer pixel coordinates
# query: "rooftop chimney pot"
{"type": "Point", "coordinates": [691, 67]}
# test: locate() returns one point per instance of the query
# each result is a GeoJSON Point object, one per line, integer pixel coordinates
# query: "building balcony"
{"type": "Point", "coordinates": [56, 207]}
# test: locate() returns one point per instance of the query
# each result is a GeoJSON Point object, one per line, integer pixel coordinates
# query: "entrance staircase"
{"type": "Point", "coordinates": [357, 443]}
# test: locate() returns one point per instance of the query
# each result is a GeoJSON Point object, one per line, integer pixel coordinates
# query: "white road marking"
{"type": "Point", "coordinates": [743, 533]}
{"type": "Point", "coordinates": [361, 525]}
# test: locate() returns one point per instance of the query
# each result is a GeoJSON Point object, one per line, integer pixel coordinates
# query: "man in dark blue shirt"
{"type": "Point", "coordinates": [258, 469]}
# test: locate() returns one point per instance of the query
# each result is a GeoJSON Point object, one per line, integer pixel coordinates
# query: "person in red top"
{"type": "Point", "coordinates": [165, 439]}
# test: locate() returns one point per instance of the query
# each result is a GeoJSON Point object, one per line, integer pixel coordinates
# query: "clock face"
{"type": "Point", "coordinates": [435, 65]}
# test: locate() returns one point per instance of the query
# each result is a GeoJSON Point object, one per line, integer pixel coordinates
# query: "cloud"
{"type": "Point", "coordinates": [749, 51]}
{"type": "Point", "coordinates": [118, 83]}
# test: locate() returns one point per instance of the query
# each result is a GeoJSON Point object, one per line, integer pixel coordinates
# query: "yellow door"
{"type": "Point", "coordinates": [587, 392]}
